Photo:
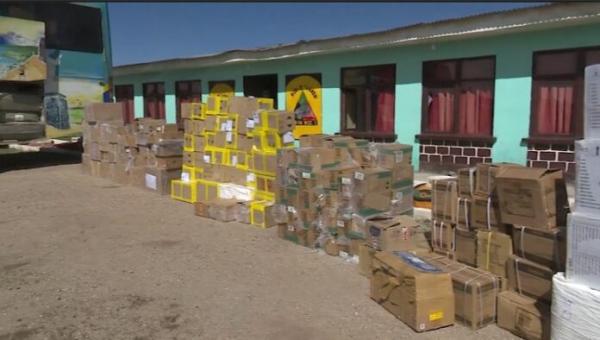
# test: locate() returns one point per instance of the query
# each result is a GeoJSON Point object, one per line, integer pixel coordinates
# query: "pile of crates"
{"type": "Point", "coordinates": [230, 157]}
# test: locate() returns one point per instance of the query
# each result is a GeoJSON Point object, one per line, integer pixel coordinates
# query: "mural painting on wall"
{"type": "Point", "coordinates": [19, 50]}
{"type": "Point", "coordinates": [303, 97]}
{"type": "Point", "coordinates": [222, 88]}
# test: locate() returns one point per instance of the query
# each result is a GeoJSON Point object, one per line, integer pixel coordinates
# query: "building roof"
{"type": "Point", "coordinates": [493, 23]}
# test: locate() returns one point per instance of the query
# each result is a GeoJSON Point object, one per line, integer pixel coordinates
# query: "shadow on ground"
{"type": "Point", "coordinates": [37, 159]}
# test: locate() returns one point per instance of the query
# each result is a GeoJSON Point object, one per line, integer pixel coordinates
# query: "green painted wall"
{"type": "Point", "coordinates": [512, 100]}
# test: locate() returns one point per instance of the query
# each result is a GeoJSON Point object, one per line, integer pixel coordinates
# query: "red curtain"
{"type": "Point", "coordinates": [384, 119]}
{"type": "Point", "coordinates": [154, 101]}
{"type": "Point", "coordinates": [475, 112]}
{"type": "Point", "coordinates": [440, 112]}
{"type": "Point", "coordinates": [554, 110]}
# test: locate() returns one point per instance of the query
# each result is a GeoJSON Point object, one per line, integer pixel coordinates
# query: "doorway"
{"type": "Point", "coordinates": [262, 86]}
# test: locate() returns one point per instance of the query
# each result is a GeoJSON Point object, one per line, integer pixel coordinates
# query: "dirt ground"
{"type": "Point", "coordinates": [84, 258]}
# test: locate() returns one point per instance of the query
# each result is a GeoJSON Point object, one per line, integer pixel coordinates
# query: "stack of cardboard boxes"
{"type": "Point", "coordinates": [508, 221]}
{"type": "Point", "coordinates": [146, 153]}
{"type": "Point", "coordinates": [576, 295]}
{"type": "Point", "coordinates": [229, 159]}
{"type": "Point", "coordinates": [338, 192]}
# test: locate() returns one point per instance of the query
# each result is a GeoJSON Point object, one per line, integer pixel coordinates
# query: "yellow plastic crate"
{"type": "Point", "coordinates": [184, 191]}
{"type": "Point", "coordinates": [262, 214]}
{"type": "Point", "coordinates": [188, 142]}
{"type": "Point", "coordinates": [216, 105]}
{"type": "Point", "coordinates": [198, 111]}
{"type": "Point", "coordinates": [239, 159]}
{"type": "Point", "coordinates": [271, 141]}
{"type": "Point", "coordinates": [263, 162]}
{"type": "Point", "coordinates": [218, 155]}
{"type": "Point", "coordinates": [265, 103]}
{"type": "Point", "coordinates": [272, 120]}
{"type": "Point", "coordinates": [207, 190]}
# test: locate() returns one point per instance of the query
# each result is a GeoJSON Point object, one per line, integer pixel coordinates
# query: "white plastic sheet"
{"type": "Point", "coordinates": [575, 310]}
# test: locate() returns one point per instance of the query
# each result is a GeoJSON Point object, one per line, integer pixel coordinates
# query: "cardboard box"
{"type": "Point", "coordinates": [101, 112]}
{"type": "Point", "coordinates": [493, 250]}
{"type": "Point", "coordinates": [475, 292]}
{"type": "Point", "coordinates": [159, 180]}
{"type": "Point", "coordinates": [587, 190]}
{"type": "Point", "coordinates": [372, 180]}
{"type": "Point", "coordinates": [378, 200]}
{"type": "Point", "coordinates": [467, 179]}
{"type": "Point", "coordinates": [280, 121]}
{"type": "Point", "coordinates": [523, 316]}
{"type": "Point", "coordinates": [393, 233]}
{"type": "Point", "coordinates": [165, 163]}
{"type": "Point", "coordinates": [168, 148]}
{"type": "Point", "coordinates": [444, 197]}
{"type": "Point", "coordinates": [465, 247]}
{"type": "Point", "coordinates": [311, 140]}
{"type": "Point", "coordinates": [316, 159]}
{"type": "Point", "coordinates": [591, 108]}
{"type": "Point", "coordinates": [442, 237]}
{"type": "Point", "coordinates": [402, 200]}
{"type": "Point", "coordinates": [485, 214]}
{"type": "Point", "coordinates": [415, 291]}
{"type": "Point", "coordinates": [464, 213]}
{"type": "Point", "coordinates": [533, 197]}
{"type": "Point", "coordinates": [486, 177]}
{"type": "Point", "coordinates": [264, 214]}
{"type": "Point", "coordinates": [201, 209]}
{"type": "Point", "coordinates": [390, 155]}
{"type": "Point", "coordinates": [529, 278]}
{"type": "Point", "coordinates": [207, 191]}
{"type": "Point", "coordinates": [583, 252]}
{"type": "Point", "coordinates": [223, 210]}
{"type": "Point", "coordinates": [546, 247]}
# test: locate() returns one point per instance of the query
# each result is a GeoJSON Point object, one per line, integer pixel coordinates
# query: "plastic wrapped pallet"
{"type": "Point", "coordinates": [575, 310]}
{"type": "Point", "coordinates": [583, 253]}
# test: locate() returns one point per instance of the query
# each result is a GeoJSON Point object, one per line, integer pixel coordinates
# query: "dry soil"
{"type": "Point", "coordinates": [84, 258]}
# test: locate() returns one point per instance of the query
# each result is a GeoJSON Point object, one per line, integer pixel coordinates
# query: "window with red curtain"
{"type": "Point", "coordinates": [154, 100]}
{"type": "Point", "coordinates": [368, 101]}
{"type": "Point", "coordinates": [458, 97]}
{"type": "Point", "coordinates": [186, 91]}
{"type": "Point", "coordinates": [557, 91]}
{"type": "Point", "coordinates": [124, 94]}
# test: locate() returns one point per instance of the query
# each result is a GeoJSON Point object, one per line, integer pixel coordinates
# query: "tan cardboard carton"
{"type": "Point", "coordinates": [529, 278]}
{"type": "Point", "coordinates": [486, 177]}
{"type": "Point", "coordinates": [523, 316]}
{"type": "Point", "coordinates": [159, 180]}
{"type": "Point", "coordinates": [365, 258]}
{"type": "Point", "coordinates": [485, 214]}
{"type": "Point", "coordinates": [378, 200]}
{"type": "Point", "coordinates": [393, 233]}
{"type": "Point", "coordinates": [442, 237]}
{"type": "Point", "coordinates": [493, 250]}
{"type": "Point", "coordinates": [99, 112]}
{"type": "Point", "coordinates": [224, 210]}
{"type": "Point", "coordinates": [390, 155]}
{"type": "Point", "coordinates": [165, 163]}
{"type": "Point", "coordinates": [475, 292]}
{"type": "Point", "coordinates": [546, 247]}
{"type": "Point", "coordinates": [415, 291]}
{"type": "Point", "coordinates": [533, 197]}
{"type": "Point", "coordinates": [466, 247]}
{"type": "Point", "coordinates": [467, 179]}
{"type": "Point", "coordinates": [201, 209]}
{"type": "Point", "coordinates": [312, 140]}
{"type": "Point", "coordinates": [371, 180]}
{"type": "Point", "coordinates": [444, 196]}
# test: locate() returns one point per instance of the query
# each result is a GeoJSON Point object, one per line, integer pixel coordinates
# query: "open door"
{"type": "Point", "coordinates": [124, 94]}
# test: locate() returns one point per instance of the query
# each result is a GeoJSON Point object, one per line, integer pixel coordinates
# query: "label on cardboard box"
{"type": "Point", "coordinates": [150, 181]}
{"type": "Point", "coordinates": [288, 137]}
{"type": "Point", "coordinates": [291, 209]}
{"type": "Point", "coordinates": [229, 125]}
{"type": "Point", "coordinates": [251, 177]}
{"type": "Point", "coordinates": [229, 137]}
{"type": "Point", "coordinates": [233, 160]}
{"type": "Point", "coordinates": [185, 176]}
{"type": "Point", "coordinates": [592, 102]}
{"type": "Point", "coordinates": [206, 158]}
{"type": "Point", "coordinates": [346, 180]}
{"type": "Point", "coordinates": [436, 315]}
{"type": "Point", "coordinates": [587, 192]}
{"type": "Point", "coordinates": [250, 123]}
{"type": "Point", "coordinates": [340, 223]}
{"type": "Point", "coordinates": [305, 174]}
{"type": "Point", "coordinates": [399, 156]}
{"type": "Point", "coordinates": [359, 176]}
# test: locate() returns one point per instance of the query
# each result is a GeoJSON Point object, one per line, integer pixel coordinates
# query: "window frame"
{"type": "Point", "coordinates": [577, 78]}
{"type": "Point", "coordinates": [456, 86]}
{"type": "Point", "coordinates": [369, 134]}
{"type": "Point", "coordinates": [155, 97]}
{"type": "Point", "coordinates": [129, 109]}
{"type": "Point", "coordinates": [190, 95]}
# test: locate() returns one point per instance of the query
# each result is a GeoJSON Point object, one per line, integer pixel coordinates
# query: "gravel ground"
{"type": "Point", "coordinates": [84, 258]}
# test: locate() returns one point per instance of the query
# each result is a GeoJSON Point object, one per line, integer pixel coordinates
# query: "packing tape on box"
{"type": "Point", "coordinates": [440, 240]}
{"type": "Point", "coordinates": [489, 204]}
{"type": "Point", "coordinates": [467, 222]}
{"type": "Point", "coordinates": [487, 251]}
{"type": "Point", "coordinates": [472, 180]}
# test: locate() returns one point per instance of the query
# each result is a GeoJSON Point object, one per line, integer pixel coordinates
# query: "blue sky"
{"type": "Point", "coordinates": [143, 32]}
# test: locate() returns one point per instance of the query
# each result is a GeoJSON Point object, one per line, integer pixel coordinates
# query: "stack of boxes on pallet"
{"type": "Point", "coordinates": [331, 186]}
{"type": "Point", "coordinates": [576, 294]}
{"type": "Point", "coordinates": [146, 153]}
{"type": "Point", "coordinates": [508, 222]}
{"type": "Point", "coordinates": [229, 158]}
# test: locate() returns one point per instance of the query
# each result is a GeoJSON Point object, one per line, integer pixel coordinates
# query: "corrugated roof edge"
{"type": "Point", "coordinates": [485, 23]}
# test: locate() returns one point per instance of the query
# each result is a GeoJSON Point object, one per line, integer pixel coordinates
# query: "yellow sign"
{"type": "Point", "coordinates": [303, 97]}
{"type": "Point", "coordinates": [436, 316]}
{"type": "Point", "coordinates": [222, 89]}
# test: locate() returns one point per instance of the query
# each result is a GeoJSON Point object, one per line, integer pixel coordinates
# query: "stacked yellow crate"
{"type": "Point", "coordinates": [230, 157]}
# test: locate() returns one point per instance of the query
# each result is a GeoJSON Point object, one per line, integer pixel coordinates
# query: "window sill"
{"type": "Point", "coordinates": [561, 140]}
{"type": "Point", "coordinates": [456, 137]}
